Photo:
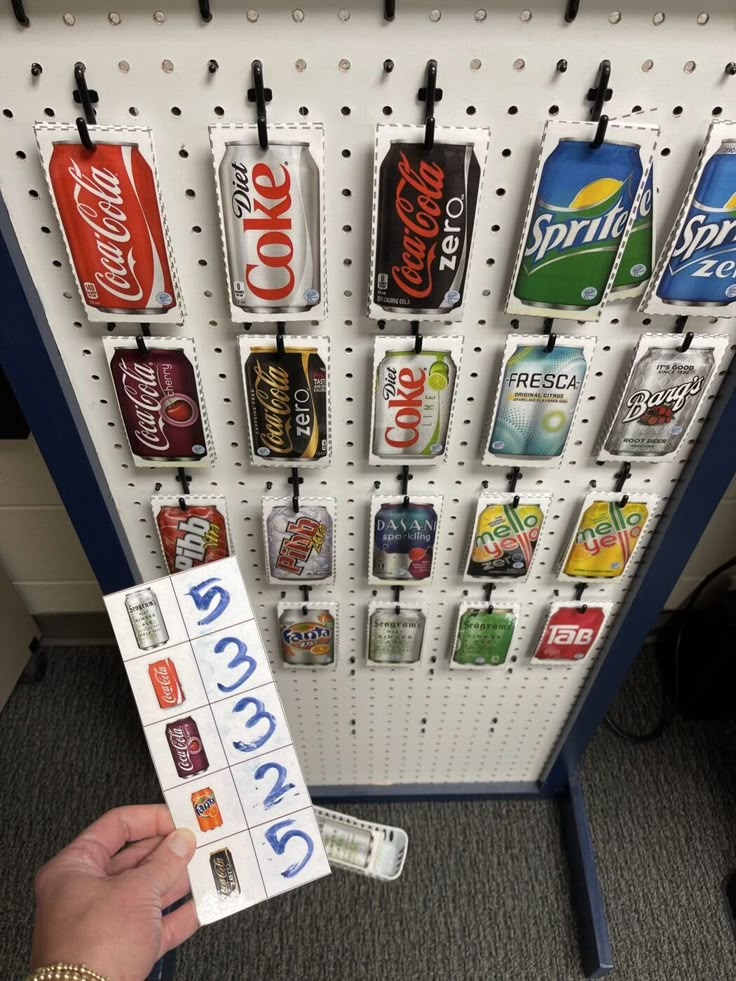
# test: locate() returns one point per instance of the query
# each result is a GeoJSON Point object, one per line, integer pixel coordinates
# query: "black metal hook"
{"type": "Point", "coordinates": [388, 65]}
{"type": "Point", "coordinates": [140, 340]}
{"type": "Point", "coordinates": [184, 479]}
{"type": "Point", "coordinates": [295, 480]}
{"type": "Point", "coordinates": [86, 139]}
{"type": "Point", "coordinates": [83, 95]}
{"type": "Point", "coordinates": [600, 133]}
{"type": "Point", "coordinates": [515, 502]}
{"type": "Point", "coordinates": [601, 92]}
{"type": "Point", "coordinates": [397, 596]}
{"type": "Point", "coordinates": [305, 596]}
{"type": "Point", "coordinates": [624, 501]}
{"type": "Point", "coordinates": [417, 337]}
{"type": "Point", "coordinates": [571, 10]}
{"type": "Point", "coordinates": [260, 96]}
{"type": "Point", "coordinates": [19, 12]}
{"type": "Point", "coordinates": [213, 66]}
{"type": "Point", "coordinates": [580, 588]}
{"type": "Point", "coordinates": [182, 504]}
{"type": "Point", "coordinates": [36, 69]}
{"type": "Point", "coordinates": [487, 590]}
{"type": "Point", "coordinates": [687, 341]}
{"type": "Point", "coordinates": [622, 475]}
{"type": "Point", "coordinates": [405, 477]}
{"type": "Point", "coordinates": [551, 338]}
{"type": "Point", "coordinates": [512, 478]}
{"type": "Point", "coordinates": [429, 94]}
{"type": "Point", "coordinates": [204, 10]}
{"type": "Point", "coordinates": [389, 9]}
{"type": "Point", "coordinates": [680, 324]}
{"type": "Point", "coordinates": [280, 329]}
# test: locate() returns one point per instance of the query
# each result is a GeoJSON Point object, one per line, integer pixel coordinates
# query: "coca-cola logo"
{"type": "Point", "coordinates": [417, 202]}
{"type": "Point", "coordinates": [643, 400]}
{"type": "Point", "coordinates": [180, 743]}
{"type": "Point", "coordinates": [270, 218]}
{"type": "Point", "coordinates": [167, 688]}
{"type": "Point", "coordinates": [271, 391]}
{"type": "Point", "coordinates": [99, 202]}
{"type": "Point", "coordinates": [404, 392]}
{"type": "Point", "coordinates": [140, 385]}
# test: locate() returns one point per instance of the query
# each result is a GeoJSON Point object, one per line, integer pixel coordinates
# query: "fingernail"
{"type": "Point", "coordinates": [182, 842]}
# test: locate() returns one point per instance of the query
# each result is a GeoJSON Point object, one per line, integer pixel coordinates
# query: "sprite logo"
{"type": "Point", "coordinates": [700, 234]}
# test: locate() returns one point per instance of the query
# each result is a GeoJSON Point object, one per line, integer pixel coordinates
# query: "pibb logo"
{"type": "Point", "coordinates": [268, 216]}
{"type": "Point", "coordinates": [404, 392]}
{"type": "Point", "coordinates": [197, 535]}
{"type": "Point", "coordinates": [567, 634]}
{"type": "Point", "coordinates": [303, 536]}
{"type": "Point", "coordinates": [643, 400]}
{"type": "Point", "coordinates": [140, 384]}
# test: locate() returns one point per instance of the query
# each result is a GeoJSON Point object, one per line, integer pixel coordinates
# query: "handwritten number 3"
{"type": "Point", "coordinates": [279, 845]}
{"type": "Point", "coordinates": [276, 793]}
{"type": "Point", "coordinates": [260, 713]}
{"type": "Point", "coordinates": [241, 657]}
{"type": "Point", "coordinates": [203, 601]}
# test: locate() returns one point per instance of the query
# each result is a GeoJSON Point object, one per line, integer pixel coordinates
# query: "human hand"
{"type": "Point", "coordinates": [99, 904]}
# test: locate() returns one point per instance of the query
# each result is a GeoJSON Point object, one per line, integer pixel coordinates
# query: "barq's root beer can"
{"type": "Point", "coordinates": [605, 539]}
{"type": "Point", "coordinates": [426, 209]}
{"type": "Point", "coordinates": [570, 633]}
{"type": "Point", "coordinates": [300, 545]}
{"type": "Point", "coordinates": [307, 638]}
{"type": "Point", "coordinates": [484, 637]}
{"type": "Point", "coordinates": [413, 400]}
{"type": "Point", "coordinates": [159, 402]}
{"type": "Point", "coordinates": [287, 400]}
{"type": "Point", "coordinates": [271, 211]}
{"type": "Point", "coordinates": [110, 213]}
{"type": "Point", "coordinates": [192, 536]}
{"type": "Point", "coordinates": [146, 619]}
{"type": "Point", "coordinates": [504, 541]}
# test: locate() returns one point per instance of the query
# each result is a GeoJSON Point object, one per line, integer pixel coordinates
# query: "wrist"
{"type": "Point", "coordinates": [65, 972]}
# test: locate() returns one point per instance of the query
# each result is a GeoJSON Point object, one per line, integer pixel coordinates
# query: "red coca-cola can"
{"type": "Point", "coordinates": [166, 684]}
{"type": "Point", "coordinates": [110, 213]}
{"type": "Point", "coordinates": [426, 209]}
{"type": "Point", "coordinates": [159, 402]}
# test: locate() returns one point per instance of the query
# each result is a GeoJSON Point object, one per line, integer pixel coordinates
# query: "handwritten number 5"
{"type": "Point", "coordinates": [279, 845]}
{"type": "Point", "coordinates": [203, 601]}
{"type": "Point", "coordinates": [241, 657]}
{"type": "Point", "coordinates": [276, 793]}
{"type": "Point", "coordinates": [259, 714]}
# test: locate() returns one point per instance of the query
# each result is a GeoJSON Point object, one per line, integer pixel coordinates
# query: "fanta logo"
{"type": "Point", "coordinates": [560, 230]}
{"type": "Point", "coordinates": [305, 635]}
{"type": "Point", "coordinates": [676, 397]}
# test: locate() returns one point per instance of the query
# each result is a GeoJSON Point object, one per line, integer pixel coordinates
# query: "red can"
{"type": "Point", "coordinates": [185, 744]}
{"type": "Point", "coordinates": [570, 633]}
{"type": "Point", "coordinates": [110, 213]}
{"type": "Point", "coordinates": [192, 536]}
{"type": "Point", "coordinates": [159, 402]}
{"type": "Point", "coordinates": [166, 683]}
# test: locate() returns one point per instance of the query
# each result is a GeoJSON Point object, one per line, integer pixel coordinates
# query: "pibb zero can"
{"type": "Point", "coordinates": [146, 620]}
{"type": "Point", "coordinates": [271, 212]}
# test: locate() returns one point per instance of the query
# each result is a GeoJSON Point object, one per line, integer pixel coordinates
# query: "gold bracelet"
{"type": "Point", "coordinates": [65, 972]}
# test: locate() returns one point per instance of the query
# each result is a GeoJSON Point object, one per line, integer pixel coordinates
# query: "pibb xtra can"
{"type": "Point", "coordinates": [395, 637]}
{"type": "Point", "coordinates": [146, 620]}
{"type": "Point", "coordinates": [159, 402]}
{"type": "Point", "coordinates": [271, 212]}
{"type": "Point", "coordinates": [192, 535]}
{"type": "Point", "coordinates": [413, 399]}
{"type": "Point", "coordinates": [403, 541]}
{"type": "Point", "coordinates": [663, 393]}
{"type": "Point", "coordinates": [539, 392]}
{"type": "Point", "coordinates": [635, 266]}
{"type": "Point", "coordinates": [110, 213]}
{"type": "Point", "coordinates": [701, 269]}
{"type": "Point", "coordinates": [185, 745]}
{"type": "Point", "coordinates": [583, 204]}
{"type": "Point", "coordinates": [426, 210]}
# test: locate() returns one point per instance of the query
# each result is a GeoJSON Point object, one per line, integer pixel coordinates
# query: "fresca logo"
{"type": "Point", "coordinates": [596, 214]}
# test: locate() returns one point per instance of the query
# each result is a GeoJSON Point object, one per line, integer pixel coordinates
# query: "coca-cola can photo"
{"type": "Point", "coordinates": [109, 209]}
{"type": "Point", "coordinates": [272, 218]}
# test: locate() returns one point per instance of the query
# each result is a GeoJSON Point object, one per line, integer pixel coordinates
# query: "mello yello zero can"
{"type": "Point", "coordinates": [701, 270]}
{"type": "Point", "coordinates": [413, 399]}
{"type": "Point", "coordinates": [605, 539]}
{"type": "Point", "coordinates": [484, 636]}
{"type": "Point", "coordinates": [403, 541]}
{"type": "Point", "coordinates": [504, 540]}
{"type": "Point", "coordinates": [635, 267]}
{"type": "Point", "coordinates": [583, 204]}
{"type": "Point", "coordinates": [307, 637]}
{"type": "Point", "coordinates": [395, 637]}
{"type": "Point", "coordinates": [539, 392]}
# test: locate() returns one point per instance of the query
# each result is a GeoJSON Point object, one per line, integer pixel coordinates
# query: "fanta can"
{"type": "Point", "coordinates": [605, 539]}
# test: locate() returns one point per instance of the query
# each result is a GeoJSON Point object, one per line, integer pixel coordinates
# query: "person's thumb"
{"type": "Point", "coordinates": [166, 864]}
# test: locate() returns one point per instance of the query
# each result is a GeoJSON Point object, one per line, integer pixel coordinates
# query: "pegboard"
{"type": "Point", "coordinates": [358, 725]}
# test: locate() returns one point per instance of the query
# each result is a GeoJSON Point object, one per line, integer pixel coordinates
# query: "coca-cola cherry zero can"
{"type": "Point", "coordinates": [271, 212]}
{"type": "Point", "coordinates": [109, 209]}
{"type": "Point", "coordinates": [426, 209]}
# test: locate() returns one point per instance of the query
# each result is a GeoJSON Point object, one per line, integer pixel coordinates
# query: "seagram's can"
{"type": "Point", "coordinates": [605, 539]}
{"type": "Point", "coordinates": [403, 541]}
{"type": "Point", "coordinates": [582, 208]}
{"type": "Point", "coordinates": [395, 635]}
{"type": "Point", "coordinates": [504, 540]}
{"type": "Point", "coordinates": [345, 844]}
{"type": "Point", "coordinates": [484, 636]}
{"type": "Point", "coordinates": [635, 267]}
{"type": "Point", "coordinates": [146, 620]}
{"type": "Point", "coordinates": [271, 211]}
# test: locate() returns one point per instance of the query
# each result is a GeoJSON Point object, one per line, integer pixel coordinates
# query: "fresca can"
{"type": "Point", "coordinates": [582, 208]}
{"type": "Point", "coordinates": [539, 392]}
{"type": "Point", "coordinates": [403, 541]}
{"type": "Point", "coordinates": [413, 399]}
{"type": "Point", "coordinates": [635, 267]}
{"type": "Point", "coordinates": [701, 270]}
{"type": "Point", "coordinates": [426, 209]}
{"type": "Point", "coordinates": [605, 539]}
{"type": "Point", "coordinates": [271, 211]}
{"type": "Point", "coordinates": [307, 636]}
{"type": "Point", "coordinates": [504, 541]}
{"type": "Point", "coordinates": [484, 637]}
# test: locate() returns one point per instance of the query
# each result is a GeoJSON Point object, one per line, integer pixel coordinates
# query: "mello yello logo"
{"type": "Point", "coordinates": [603, 534]}
{"type": "Point", "coordinates": [501, 537]}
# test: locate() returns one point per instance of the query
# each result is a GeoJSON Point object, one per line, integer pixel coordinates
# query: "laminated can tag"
{"type": "Point", "coordinates": [375, 850]}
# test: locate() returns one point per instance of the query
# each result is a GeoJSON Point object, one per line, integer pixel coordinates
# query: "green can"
{"type": "Point", "coordinates": [484, 637]}
{"type": "Point", "coordinates": [635, 267]}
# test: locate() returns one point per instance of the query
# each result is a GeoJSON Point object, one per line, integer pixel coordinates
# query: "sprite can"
{"type": "Point", "coordinates": [583, 204]}
{"type": "Point", "coordinates": [605, 539]}
{"type": "Point", "coordinates": [484, 636]}
{"type": "Point", "coordinates": [504, 540]}
{"type": "Point", "coordinates": [635, 267]}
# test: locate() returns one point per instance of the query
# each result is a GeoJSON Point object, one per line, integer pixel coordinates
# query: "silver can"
{"type": "Point", "coordinates": [664, 391]}
{"type": "Point", "coordinates": [146, 620]}
{"type": "Point", "coordinates": [345, 844]}
{"type": "Point", "coordinates": [271, 211]}
{"type": "Point", "coordinates": [395, 638]}
{"type": "Point", "coordinates": [299, 544]}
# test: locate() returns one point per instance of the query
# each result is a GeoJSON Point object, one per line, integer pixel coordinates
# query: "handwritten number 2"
{"type": "Point", "coordinates": [259, 714]}
{"type": "Point", "coordinates": [241, 657]}
{"type": "Point", "coordinates": [276, 793]}
{"type": "Point", "coordinates": [279, 845]}
{"type": "Point", "coordinates": [204, 600]}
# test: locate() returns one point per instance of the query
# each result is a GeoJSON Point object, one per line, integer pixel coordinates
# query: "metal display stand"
{"type": "Point", "coordinates": [362, 731]}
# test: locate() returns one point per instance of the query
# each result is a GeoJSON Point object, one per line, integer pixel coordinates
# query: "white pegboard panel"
{"type": "Point", "coordinates": [357, 724]}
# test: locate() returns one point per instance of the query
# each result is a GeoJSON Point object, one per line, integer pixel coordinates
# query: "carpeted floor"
{"type": "Point", "coordinates": [485, 892]}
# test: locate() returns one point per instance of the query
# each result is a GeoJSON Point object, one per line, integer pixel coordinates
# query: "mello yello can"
{"type": "Point", "coordinates": [484, 636]}
{"type": "Point", "coordinates": [635, 266]}
{"type": "Point", "coordinates": [403, 541]}
{"type": "Point", "coordinates": [539, 392]}
{"type": "Point", "coordinates": [504, 540]}
{"type": "Point", "coordinates": [701, 271]}
{"type": "Point", "coordinates": [605, 539]}
{"type": "Point", "coordinates": [582, 208]}
{"type": "Point", "coordinates": [413, 398]}
{"type": "Point", "coordinates": [307, 636]}
{"type": "Point", "coordinates": [395, 636]}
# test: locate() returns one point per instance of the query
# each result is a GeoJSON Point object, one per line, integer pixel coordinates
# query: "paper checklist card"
{"type": "Point", "coordinates": [218, 736]}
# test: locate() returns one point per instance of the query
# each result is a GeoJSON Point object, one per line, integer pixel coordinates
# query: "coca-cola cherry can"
{"type": "Point", "coordinates": [109, 210]}
{"type": "Point", "coordinates": [426, 208]}
{"type": "Point", "coordinates": [271, 214]}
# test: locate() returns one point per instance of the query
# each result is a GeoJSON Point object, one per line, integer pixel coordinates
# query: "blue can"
{"type": "Point", "coordinates": [701, 270]}
{"type": "Point", "coordinates": [403, 541]}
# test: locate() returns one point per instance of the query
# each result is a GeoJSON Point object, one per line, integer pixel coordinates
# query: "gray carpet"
{"type": "Point", "coordinates": [485, 893]}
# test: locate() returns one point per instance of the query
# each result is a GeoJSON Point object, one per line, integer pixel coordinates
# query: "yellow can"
{"type": "Point", "coordinates": [504, 541]}
{"type": "Point", "coordinates": [605, 539]}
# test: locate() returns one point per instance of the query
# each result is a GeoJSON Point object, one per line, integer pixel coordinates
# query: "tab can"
{"type": "Point", "coordinates": [426, 210]}
{"type": "Point", "coordinates": [605, 539]}
{"type": "Point", "coordinates": [484, 637]}
{"type": "Point", "coordinates": [570, 633]}
{"type": "Point", "coordinates": [307, 637]}
{"type": "Point", "coordinates": [146, 619]}
{"type": "Point", "coordinates": [403, 541]}
{"type": "Point", "coordinates": [583, 204]}
{"type": "Point", "coordinates": [271, 211]}
{"type": "Point", "coordinates": [635, 267]}
{"type": "Point", "coordinates": [395, 637]}
{"type": "Point", "coordinates": [663, 394]}
{"type": "Point", "coordinates": [539, 392]}
{"type": "Point", "coordinates": [504, 541]}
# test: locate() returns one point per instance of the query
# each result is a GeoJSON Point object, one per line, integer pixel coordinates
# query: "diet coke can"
{"type": "Point", "coordinates": [109, 210]}
{"type": "Point", "coordinates": [271, 212]}
{"type": "Point", "coordinates": [426, 210]}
